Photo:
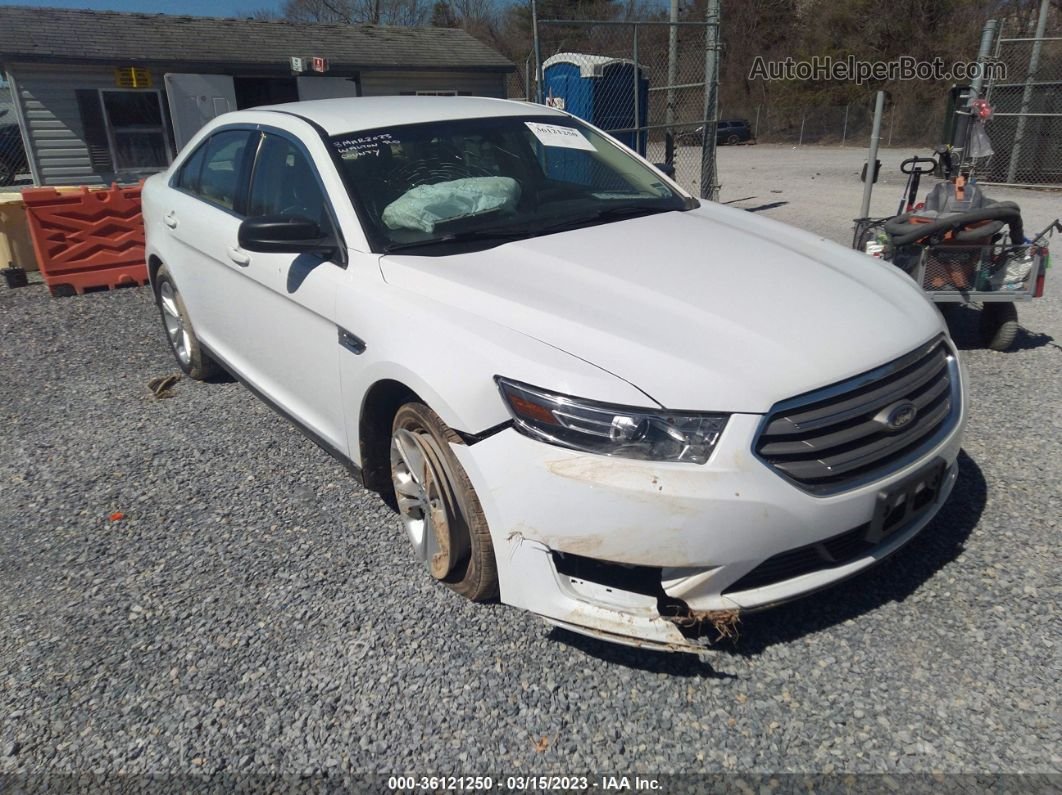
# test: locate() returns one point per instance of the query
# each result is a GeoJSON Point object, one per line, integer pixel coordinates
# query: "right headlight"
{"type": "Point", "coordinates": [605, 429]}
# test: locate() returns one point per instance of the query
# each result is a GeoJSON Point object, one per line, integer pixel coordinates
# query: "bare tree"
{"type": "Point", "coordinates": [364, 12]}
{"type": "Point", "coordinates": [318, 10]}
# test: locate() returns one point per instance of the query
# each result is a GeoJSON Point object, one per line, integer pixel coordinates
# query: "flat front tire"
{"type": "Point", "coordinates": [191, 357]}
{"type": "Point", "coordinates": [439, 508]}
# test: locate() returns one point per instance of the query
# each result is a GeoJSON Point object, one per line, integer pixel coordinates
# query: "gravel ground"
{"type": "Point", "coordinates": [255, 611]}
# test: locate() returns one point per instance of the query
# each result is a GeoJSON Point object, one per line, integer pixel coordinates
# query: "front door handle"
{"type": "Point", "coordinates": [170, 219]}
{"type": "Point", "coordinates": [241, 258]}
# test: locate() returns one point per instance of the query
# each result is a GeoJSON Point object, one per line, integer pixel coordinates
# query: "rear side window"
{"type": "Point", "coordinates": [219, 173]}
{"type": "Point", "coordinates": [213, 171]}
{"type": "Point", "coordinates": [188, 176]}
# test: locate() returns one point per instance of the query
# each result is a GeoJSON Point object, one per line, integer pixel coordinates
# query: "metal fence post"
{"type": "Point", "coordinates": [638, 132]}
{"type": "Point", "coordinates": [709, 188]}
{"type": "Point", "coordinates": [538, 53]}
{"type": "Point", "coordinates": [872, 157]}
{"type": "Point", "coordinates": [803, 118]}
{"type": "Point", "coordinates": [756, 127]}
{"type": "Point", "coordinates": [1026, 96]}
{"type": "Point", "coordinates": [672, 79]}
{"type": "Point", "coordinates": [844, 132]}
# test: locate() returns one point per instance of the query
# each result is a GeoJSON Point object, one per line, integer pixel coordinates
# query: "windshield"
{"type": "Point", "coordinates": [486, 181]}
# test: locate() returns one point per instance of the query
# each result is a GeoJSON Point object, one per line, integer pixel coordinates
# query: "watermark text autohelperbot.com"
{"type": "Point", "coordinates": [851, 69]}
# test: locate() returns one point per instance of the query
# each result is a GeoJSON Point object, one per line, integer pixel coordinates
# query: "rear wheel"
{"type": "Point", "coordinates": [733, 139]}
{"type": "Point", "coordinates": [191, 357]}
{"type": "Point", "coordinates": [439, 508]}
{"type": "Point", "coordinates": [999, 325]}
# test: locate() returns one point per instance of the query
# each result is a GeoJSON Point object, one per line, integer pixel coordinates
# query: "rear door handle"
{"type": "Point", "coordinates": [239, 257]}
{"type": "Point", "coordinates": [170, 219]}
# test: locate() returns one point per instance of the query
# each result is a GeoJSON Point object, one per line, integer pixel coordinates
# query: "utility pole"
{"type": "Point", "coordinates": [872, 157]}
{"type": "Point", "coordinates": [672, 80]}
{"type": "Point", "coordinates": [960, 134]}
{"type": "Point", "coordinates": [988, 33]}
{"type": "Point", "coordinates": [538, 53]}
{"type": "Point", "coordinates": [709, 172]}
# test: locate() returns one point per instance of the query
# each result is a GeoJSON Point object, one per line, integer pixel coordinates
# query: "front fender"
{"type": "Point", "coordinates": [449, 358]}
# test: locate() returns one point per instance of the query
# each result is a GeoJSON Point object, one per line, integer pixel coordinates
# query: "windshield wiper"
{"type": "Point", "coordinates": [604, 214]}
{"type": "Point", "coordinates": [469, 235]}
{"type": "Point", "coordinates": [507, 233]}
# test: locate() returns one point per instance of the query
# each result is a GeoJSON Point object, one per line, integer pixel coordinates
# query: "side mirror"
{"type": "Point", "coordinates": [667, 168]}
{"type": "Point", "coordinates": [284, 234]}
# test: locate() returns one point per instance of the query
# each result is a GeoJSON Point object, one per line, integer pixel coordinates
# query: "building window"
{"type": "Point", "coordinates": [444, 93]}
{"type": "Point", "coordinates": [135, 130]}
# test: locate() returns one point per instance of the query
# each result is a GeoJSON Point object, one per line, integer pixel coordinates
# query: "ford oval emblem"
{"type": "Point", "coordinates": [898, 416]}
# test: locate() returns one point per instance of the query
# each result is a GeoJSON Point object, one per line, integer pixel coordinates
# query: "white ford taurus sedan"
{"type": "Point", "coordinates": [586, 393]}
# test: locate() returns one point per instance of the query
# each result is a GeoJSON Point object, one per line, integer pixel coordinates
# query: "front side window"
{"type": "Point", "coordinates": [494, 179]}
{"type": "Point", "coordinates": [284, 183]}
{"type": "Point", "coordinates": [136, 131]}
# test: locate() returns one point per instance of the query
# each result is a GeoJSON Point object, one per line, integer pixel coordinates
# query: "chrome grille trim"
{"type": "Point", "coordinates": [827, 441]}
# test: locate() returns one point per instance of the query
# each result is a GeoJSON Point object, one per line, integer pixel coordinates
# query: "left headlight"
{"type": "Point", "coordinates": [612, 430]}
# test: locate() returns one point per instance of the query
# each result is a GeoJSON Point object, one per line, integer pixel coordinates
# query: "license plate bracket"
{"type": "Point", "coordinates": [903, 502]}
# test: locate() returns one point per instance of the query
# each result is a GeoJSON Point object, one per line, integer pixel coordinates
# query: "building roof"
{"type": "Point", "coordinates": [78, 36]}
{"type": "Point", "coordinates": [339, 116]}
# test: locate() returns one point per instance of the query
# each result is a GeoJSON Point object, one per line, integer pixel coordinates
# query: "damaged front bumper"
{"type": "Point", "coordinates": [668, 555]}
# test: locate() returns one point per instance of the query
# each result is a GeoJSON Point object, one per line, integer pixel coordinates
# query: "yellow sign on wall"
{"type": "Point", "coordinates": [132, 77]}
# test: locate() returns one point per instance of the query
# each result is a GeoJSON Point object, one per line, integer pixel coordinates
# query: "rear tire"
{"type": "Point", "coordinates": [191, 358]}
{"type": "Point", "coordinates": [438, 505]}
{"type": "Point", "coordinates": [733, 140]}
{"type": "Point", "coordinates": [999, 325]}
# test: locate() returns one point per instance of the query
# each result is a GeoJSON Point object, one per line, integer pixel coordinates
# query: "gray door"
{"type": "Point", "coordinates": [327, 87]}
{"type": "Point", "coordinates": [196, 99]}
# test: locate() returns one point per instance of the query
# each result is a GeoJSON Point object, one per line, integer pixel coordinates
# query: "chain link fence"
{"type": "Point", "coordinates": [643, 82]}
{"type": "Point", "coordinates": [838, 125]}
{"type": "Point", "coordinates": [13, 167]}
{"type": "Point", "coordinates": [1026, 125]}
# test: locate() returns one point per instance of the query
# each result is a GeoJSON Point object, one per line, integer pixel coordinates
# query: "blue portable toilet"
{"type": "Point", "coordinates": [601, 90]}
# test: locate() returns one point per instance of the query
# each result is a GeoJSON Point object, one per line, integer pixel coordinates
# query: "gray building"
{"type": "Point", "coordinates": [105, 96]}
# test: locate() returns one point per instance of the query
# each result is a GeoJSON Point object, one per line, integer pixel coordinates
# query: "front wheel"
{"type": "Point", "coordinates": [191, 357]}
{"type": "Point", "coordinates": [999, 325]}
{"type": "Point", "coordinates": [440, 510]}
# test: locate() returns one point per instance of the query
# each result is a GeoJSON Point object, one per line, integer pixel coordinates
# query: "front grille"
{"type": "Point", "coordinates": [835, 438]}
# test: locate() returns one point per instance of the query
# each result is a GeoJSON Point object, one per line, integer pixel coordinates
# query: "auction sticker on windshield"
{"type": "Point", "coordinates": [555, 135]}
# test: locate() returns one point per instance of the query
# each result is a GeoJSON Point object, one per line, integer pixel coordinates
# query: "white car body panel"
{"type": "Point", "coordinates": [711, 310]}
{"type": "Point", "coordinates": [630, 297]}
{"type": "Point", "coordinates": [449, 358]}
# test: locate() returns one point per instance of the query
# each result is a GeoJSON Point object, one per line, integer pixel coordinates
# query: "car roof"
{"type": "Point", "coordinates": [338, 116]}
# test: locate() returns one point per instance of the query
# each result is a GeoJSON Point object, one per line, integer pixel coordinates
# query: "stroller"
{"type": "Point", "coordinates": [961, 246]}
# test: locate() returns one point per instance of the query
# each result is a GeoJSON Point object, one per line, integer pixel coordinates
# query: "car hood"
{"type": "Point", "coordinates": [712, 309]}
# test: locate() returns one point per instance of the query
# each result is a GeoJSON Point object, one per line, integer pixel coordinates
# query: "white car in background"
{"type": "Point", "coordinates": [587, 393]}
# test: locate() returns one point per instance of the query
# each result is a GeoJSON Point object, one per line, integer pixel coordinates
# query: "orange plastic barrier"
{"type": "Point", "coordinates": [87, 239]}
